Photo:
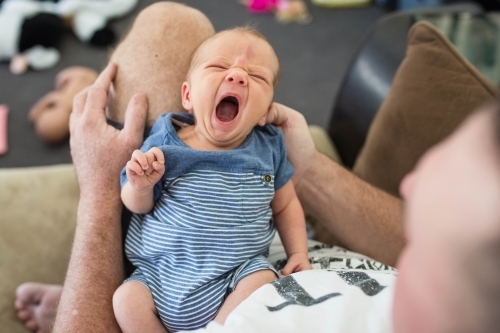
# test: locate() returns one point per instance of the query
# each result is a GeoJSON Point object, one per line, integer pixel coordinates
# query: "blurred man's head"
{"type": "Point", "coordinates": [449, 278]}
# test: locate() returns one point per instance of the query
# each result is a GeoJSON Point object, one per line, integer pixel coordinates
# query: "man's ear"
{"type": "Point", "coordinates": [186, 96]}
{"type": "Point", "coordinates": [263, 120]}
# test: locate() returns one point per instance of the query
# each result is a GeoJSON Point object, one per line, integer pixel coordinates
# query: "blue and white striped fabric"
{"type": "Point", "coordinates": [211, 225]}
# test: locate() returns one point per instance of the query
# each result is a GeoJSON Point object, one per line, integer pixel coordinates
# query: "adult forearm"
{"type": "Point", "coordinates": [363, 218]}
{"type": "Point", "coordinates": [96, 267]}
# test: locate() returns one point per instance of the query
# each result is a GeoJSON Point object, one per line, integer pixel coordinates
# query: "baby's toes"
{"type": "Point", "coordinates": [31, 325]}
{"type": "Point", "coordinates": [24, 315]}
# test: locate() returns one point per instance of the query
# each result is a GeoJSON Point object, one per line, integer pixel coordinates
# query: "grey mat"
{"type": "Point", "coordinates": [313, 59]}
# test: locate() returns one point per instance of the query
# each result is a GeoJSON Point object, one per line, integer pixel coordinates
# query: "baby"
{"type": "Point", "coordinates": [208, 188]}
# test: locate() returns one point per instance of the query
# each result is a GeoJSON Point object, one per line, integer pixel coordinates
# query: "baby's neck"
{"type": "Point", "coordinates": [198, 141]}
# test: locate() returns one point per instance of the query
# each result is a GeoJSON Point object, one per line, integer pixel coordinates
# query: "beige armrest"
{"type": "Point", "coordinates": [323, 143]}
{"type": "Point", "coordinates": [37, 221]}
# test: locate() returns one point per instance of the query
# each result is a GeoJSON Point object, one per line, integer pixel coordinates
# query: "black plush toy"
{"type": "Point", "coordinates": [30, 30]}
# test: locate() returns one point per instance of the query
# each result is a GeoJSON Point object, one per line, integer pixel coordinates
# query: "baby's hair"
{"type": "Point", "coordinates": [247, 29]}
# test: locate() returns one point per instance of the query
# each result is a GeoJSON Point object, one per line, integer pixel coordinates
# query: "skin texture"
{"type": "Point", "coordinates": [450, 268]}
{"type": "Point", "coordinates": [244, 66]}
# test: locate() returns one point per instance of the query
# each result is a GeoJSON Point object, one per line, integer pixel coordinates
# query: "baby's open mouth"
{"type": "Point", "coordinates": [227, 109]}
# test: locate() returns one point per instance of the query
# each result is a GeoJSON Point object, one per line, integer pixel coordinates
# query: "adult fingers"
{"type": "Point", "coordinates": [135, 117]}
{"type": "Point", "coordinates": [107, 76]}
{"type": "Point", "coordinates": [97, 96]}
{"type": "Point", "coordinates": [278, 115]}
{"type": "Point", "coordinates": [79, 102]}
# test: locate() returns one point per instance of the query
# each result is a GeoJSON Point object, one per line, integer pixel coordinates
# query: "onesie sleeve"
{"type": "Point", "coordinates": [155, 139]}
{"type": "Point", "coordinates": [283, 169]}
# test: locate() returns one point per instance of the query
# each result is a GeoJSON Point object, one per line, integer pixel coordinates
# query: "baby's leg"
{"type": "Point", "coordinates": [135, 309]}
{"type": "Point", "coordinates": [245, 287]}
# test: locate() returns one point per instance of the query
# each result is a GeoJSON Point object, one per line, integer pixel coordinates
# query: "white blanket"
{"type": "Point", "coordinates": [345, 292]}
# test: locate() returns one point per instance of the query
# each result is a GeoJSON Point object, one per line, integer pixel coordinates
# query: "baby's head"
{"type": "Point", "coordinates": [230, 85]}
{"type": "Point", "coordinates": [244, 30]}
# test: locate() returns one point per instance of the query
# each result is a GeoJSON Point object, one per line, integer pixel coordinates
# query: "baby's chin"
{"type": "Point", "coordinates": [227, 137]}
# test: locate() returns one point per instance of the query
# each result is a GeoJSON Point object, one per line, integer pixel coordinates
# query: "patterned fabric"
{"type": "Point", "coordinates": [345, 292]}
{"type": "Point", "coordinates": [211, 224]}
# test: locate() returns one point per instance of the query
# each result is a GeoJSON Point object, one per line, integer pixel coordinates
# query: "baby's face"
{"type": "Point", "coordinates": [230, 89]}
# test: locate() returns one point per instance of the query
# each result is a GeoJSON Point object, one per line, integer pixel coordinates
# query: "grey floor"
{"type": "Point", "coordinates": [313, 58]}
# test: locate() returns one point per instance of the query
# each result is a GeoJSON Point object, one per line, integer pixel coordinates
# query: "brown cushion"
{"type": "Point", "coordinates": [433, 91]}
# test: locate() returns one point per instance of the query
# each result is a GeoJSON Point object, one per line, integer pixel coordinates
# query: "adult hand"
{"type": "Point", "coordinates": [300, 145]}
{"type": "Point", "coordinates": [99, 150]}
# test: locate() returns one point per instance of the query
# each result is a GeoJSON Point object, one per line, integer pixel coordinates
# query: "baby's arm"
{"type": "Point", "coordinates": [290, 222]}
{"type": "Point", "coordinates": [144, 170]}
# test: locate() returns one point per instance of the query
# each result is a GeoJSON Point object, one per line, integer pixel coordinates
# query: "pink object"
{"type": "Point", "coordinates": [262, 6]}
{"type": "Point", "coordinates": [4, 110]}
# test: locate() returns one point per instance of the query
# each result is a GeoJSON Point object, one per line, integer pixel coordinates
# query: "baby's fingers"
{"type": "Point", "coordinates": [133, 166]}
{"type": "Point", "coordinates": [158, 155]}
{"type": "Point", "coordinates": [287, 270]}
{"type": "Point", "coordinates": [303, 267]}
{"type": "Point", "coordinates": [158, 167]}
{"type": "Point", "coordinates": [139, 157]}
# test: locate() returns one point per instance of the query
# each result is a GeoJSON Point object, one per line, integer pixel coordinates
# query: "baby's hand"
{"type": "Point", "coordinates": [144, 170]}
{"type": "Point", "coordinates": [296, 262]}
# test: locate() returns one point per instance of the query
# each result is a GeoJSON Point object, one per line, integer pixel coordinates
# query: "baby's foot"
{"type": "Point", "coordinates": [36, 305]}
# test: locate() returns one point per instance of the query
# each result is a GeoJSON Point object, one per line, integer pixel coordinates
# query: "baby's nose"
{"type": "Point", "coordinates": [238, 76]}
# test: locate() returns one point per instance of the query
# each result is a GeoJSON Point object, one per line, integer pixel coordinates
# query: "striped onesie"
{"type": "Point", "coordinates": [211, 224]}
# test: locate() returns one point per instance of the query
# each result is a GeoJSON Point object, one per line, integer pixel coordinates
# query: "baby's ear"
{"type": "Point", "coordinates": [186, 96]}
{"type": "Point", "coordinates": [263, 120]}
